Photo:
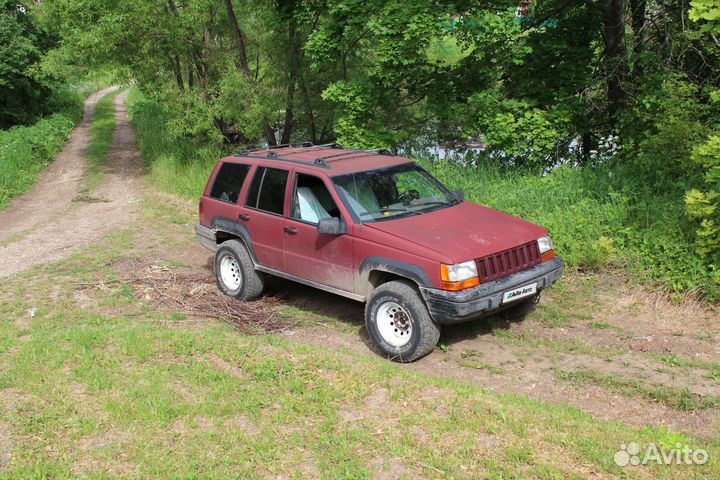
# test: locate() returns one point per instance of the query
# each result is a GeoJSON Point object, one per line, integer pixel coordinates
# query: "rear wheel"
{"type": "Point", "coordinates": [235, 272]}
{"type": "Point", "coordinates": [399, 323]}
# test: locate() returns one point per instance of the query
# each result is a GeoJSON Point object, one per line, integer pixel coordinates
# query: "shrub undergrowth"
{"type": "Point", "coordinates": [26, 150]}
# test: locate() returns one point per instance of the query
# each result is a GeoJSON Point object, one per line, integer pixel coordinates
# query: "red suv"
{"type": "Point", "coordinates": [376, 228]}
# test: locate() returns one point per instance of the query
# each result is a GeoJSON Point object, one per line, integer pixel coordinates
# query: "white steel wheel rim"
{"type": "Point", "coordinates": [394, 324]}
{"type": "Point", "coordinates": [230, 272]}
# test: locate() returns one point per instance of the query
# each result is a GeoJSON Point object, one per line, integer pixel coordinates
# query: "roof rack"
{"type": "Point", "coordinates": [320, 161]}
{"type": "Point", "coordinates": [290, 145]}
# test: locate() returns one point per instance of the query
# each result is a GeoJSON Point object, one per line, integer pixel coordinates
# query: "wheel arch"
{"type": "Point", "coordinates": [374, 271]}
{"type": "Point", "coordinates": [226, 229]}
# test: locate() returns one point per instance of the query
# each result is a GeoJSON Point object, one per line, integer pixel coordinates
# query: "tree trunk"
{"type": "Point", "coordinates": [294, 68]}
{"type": "Point", "coordinates": [270, 135]}
{"type": "Point", "coordinates": [177, 70]}
{"type": "Point", "coordinates": [637, 11]}
{"type": "Point", "coordinates": [586, 147]}
{"type": "Point", "coordinates": [309, 114]}
{"type": "Point", "coordinates": [242, 61]}
{"type": "Point", "coordinates": [614, 12]}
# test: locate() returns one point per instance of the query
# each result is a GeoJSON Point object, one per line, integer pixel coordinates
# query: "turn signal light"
{"type": "Point", "coordinates": [549, 255]}
{"type": "Point", "coordinates": [457, 286]}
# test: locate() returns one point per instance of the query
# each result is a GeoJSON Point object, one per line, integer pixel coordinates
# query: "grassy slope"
{"type": "Point", "coordinates": [176, 167]}
{"type": "Point", "coordinates": [99, 383]}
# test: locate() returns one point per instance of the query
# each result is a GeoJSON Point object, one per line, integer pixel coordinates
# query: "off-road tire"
{"type": "Point", "coordinates": [252, 282]}
{"type": "Point", "coordinates": [425, 333]}
{"type": "Point", "coordinates": [517, 313]}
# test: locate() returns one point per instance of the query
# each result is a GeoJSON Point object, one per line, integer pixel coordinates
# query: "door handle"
{"type": "Point", "coordinates": [290, 230]}
{"type": "Point", "coordinates": [244, 216]}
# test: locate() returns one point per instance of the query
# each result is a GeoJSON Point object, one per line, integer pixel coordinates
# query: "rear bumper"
{"type": "Point", "coordinates": [206, 237]}
{"type": "Point", "coordinates": [455, 307]}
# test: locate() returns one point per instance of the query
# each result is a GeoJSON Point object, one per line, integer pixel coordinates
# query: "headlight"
{"type": "Point", "coordinates": [545, 244]}
{"type": "Point", "coordinates": [459, 276]}
{"type": "Point", "coordinates": [547, 250]}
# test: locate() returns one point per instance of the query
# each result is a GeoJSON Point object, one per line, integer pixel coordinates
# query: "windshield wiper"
{"type": "Point", "coordinates": [383, 210]}
{"type": "Point", "coordinates": [433, 202]}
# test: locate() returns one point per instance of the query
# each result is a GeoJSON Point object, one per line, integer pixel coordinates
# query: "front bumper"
{"type": "Point", "coordinates": [455, 307]}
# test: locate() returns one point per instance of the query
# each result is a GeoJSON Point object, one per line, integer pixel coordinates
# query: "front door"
{"type": "Point", "coordinates": [325, 259]}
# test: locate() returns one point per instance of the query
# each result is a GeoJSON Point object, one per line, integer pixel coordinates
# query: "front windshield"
{"type": "Point", "coordinates": [392, 192]}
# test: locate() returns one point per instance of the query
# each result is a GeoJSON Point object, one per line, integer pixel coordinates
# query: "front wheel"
{"type": "Point", "coordinates": [399, 323]}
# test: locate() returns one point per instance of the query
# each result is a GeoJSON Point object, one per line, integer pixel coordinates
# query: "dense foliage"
{"type": "Point", "coordinates": [25, 94]}
{"type": "Point", "coordinates": [613, 97]}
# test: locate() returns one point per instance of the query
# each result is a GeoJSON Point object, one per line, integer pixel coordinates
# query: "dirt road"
{"type": "Point", "coordinates": [51, 221]}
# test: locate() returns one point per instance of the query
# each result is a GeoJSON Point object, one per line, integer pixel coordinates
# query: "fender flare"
{"type": "Point", "coordinates": [384, 264]}
{"type": "Point", "coordinates": [226, 225]}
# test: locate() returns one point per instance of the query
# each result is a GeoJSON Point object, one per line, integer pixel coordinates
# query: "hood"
{"type": "Point", "coordinates": [463, 232]}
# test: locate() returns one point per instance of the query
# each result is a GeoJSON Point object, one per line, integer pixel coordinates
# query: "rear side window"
{"type": "Point", "coordinates": [267, 191]}
{"type": "Point", "coordinates": [229, 181]}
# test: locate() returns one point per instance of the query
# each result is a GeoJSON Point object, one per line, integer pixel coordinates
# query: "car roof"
{"type": "Point", "coordinates": [332, 159]}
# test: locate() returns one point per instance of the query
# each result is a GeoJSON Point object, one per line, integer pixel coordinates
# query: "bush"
{"type": "Point", "coordinates": [25, 151]}
{"type": "Point", "coordinates": [178, 165]}
{"type": "Point", "coordinates": [704, 206]}
{"type": "Point", "coordinates": [598, 217]}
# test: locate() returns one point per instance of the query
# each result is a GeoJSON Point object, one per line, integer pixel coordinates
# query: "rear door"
{"type": "Point", "coordinates": [263, 215]}
{"type": "Point", "coordinates": [325, 259]}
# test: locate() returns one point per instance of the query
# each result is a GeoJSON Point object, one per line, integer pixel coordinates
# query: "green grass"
{"type": "Point", "coordinates": [121, 389]}
{"type": "Point", "coordinates": [94, 392]}
{"type": "Point", "coordinates": [101, 134]}
{"type": "Point", "coordinates": [681, 399]}
{"type": "Point", "coordinates": [26, 151]}
{"type": "Point", "coordinates": [605, 216]}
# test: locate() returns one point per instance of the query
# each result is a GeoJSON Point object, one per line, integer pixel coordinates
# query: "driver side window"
{"type": "Point", "coordinates": [312, 201]}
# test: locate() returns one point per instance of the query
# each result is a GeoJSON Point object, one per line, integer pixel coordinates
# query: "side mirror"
{"type": "Point", "coordinates": [331, 226]}
{"type": "Point", "coordinates": [459, 196]}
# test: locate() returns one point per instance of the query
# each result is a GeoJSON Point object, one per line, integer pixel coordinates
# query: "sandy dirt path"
{"type": "Point", "coordinates": [49, 223]}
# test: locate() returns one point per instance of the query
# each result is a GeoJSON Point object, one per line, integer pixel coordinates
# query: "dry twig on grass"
{"type": "Point", "coordinates": [190, 293]}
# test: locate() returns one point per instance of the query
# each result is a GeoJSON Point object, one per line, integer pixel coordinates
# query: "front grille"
{"type": "Point", "coordinates": [508, 261]}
